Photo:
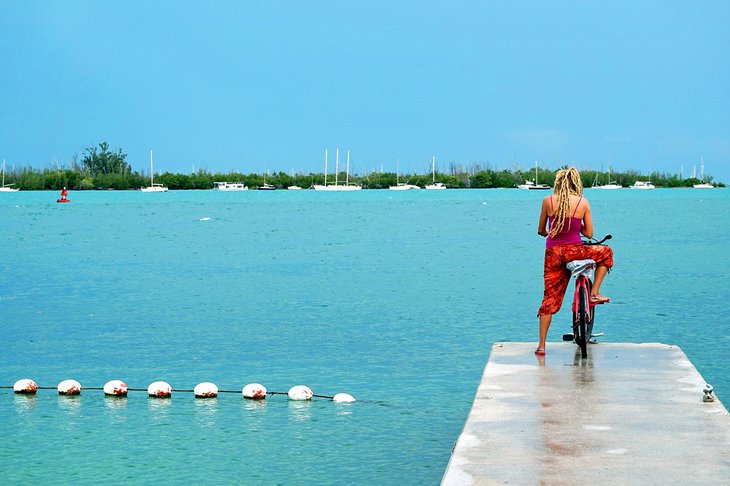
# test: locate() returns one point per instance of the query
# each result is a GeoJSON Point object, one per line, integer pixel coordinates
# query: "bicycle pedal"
{"type": "Point", "coordinates": [568, 337]}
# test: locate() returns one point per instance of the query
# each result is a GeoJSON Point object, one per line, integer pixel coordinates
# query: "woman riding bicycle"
{"type": "Point", "coordinates": [569, 215]}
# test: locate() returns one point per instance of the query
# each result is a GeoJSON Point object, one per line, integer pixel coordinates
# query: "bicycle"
{"type": "Point", "coordinates": [584, 310]}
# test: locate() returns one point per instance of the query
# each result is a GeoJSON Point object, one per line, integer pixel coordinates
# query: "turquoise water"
{"type": "Point", "coordinates": [393, 297]}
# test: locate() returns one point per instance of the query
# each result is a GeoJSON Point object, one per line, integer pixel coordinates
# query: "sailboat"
{"type": "Point", "coordinates": [153, 187]}
{"type": "Point", "coordinates": [437, 186]}
{"type": "Point", "coordinates": [401, 186]}
{"type": "Point", "coordinates": [266, 186]}
{"type": "Point", "coordinates": [293, 187]}
{"type": "Point", "coordinates": [703, 184]}
{"type": "Point", "coordinates": [336, 186]}
{"type": "Point", "coordinates": [7, 188]}
{"type": "Point", "coordinates": [533, 185]}
{"type": "Point", "coordinates": [611, 184]}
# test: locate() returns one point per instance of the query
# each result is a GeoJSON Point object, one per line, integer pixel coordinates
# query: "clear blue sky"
{"type": "Point", "coordinates": [268, 85]}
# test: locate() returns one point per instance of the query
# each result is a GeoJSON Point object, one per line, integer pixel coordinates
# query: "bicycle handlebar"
{"type": "Point", "coordinates": [592, 241]}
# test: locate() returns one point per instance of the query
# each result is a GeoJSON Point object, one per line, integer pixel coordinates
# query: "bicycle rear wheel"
{"type": "Point", "coordinates": [583, 335]}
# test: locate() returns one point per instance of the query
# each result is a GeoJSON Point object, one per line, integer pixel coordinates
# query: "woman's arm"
{"type": "Point", "coordinates": [587, 227]}
{"type": "Point", "coordinates": [542, 223]}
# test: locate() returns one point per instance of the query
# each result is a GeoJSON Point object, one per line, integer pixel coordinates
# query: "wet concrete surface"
{"type": "Point", "coordinates": [627, 414]}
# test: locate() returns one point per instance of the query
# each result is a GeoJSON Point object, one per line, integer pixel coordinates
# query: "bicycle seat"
{"type": "Point", "coordinates": [581, 267]}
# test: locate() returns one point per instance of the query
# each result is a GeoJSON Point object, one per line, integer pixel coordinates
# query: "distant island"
{"type": "Point", "coordinates": [103, 169]}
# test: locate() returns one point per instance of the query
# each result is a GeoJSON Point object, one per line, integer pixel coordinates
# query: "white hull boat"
{"type": "Point", "coordinates": [533, 185]}
{"type": "Point", "coordinates": [231, 186]}
{"type": "Point", "coordinates": [703, 185]}
{"type": "Point", "coordinates": [643, 185]}
{"type": "Point", "coordinates": [153, 187]}
{"type": "Point", "coordinates": [7, 188]}
{"type": "Point", "coordinates": [611, 184]}
{"type": "Point", "coordinates": [434, 186]}
{"type": "Point", "coordinates": [336, 187]}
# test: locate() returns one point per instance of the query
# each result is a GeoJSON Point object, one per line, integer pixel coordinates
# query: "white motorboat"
{"type": "Point", "coordinates": [294, 188]}
{"type": "Point", "coordinates": [402, 186]}
{"type": "Point", "coordinates": [643, 185]}
{"type": "Point", "coordinates": [336, 186]}
{"type": "Point", "coordinates": [532, 185]}
{"type": "Point", "coordinates": [434, 186]}
{"type": "Point", "coordinates": [7, 188]}
{"type": "Point", "coordinates": [231, 186]}
{"type": "Point", "coordinates": [153, 187]}
{"type": "Point", "coordinates": [610, 185]}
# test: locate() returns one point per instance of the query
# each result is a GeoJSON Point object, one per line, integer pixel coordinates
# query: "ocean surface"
{"type": "Point", "coordinates": [392, 297]}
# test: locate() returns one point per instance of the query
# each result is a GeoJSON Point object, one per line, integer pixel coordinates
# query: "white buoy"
{"type": "Point", "coordinates": [159, 389]}
{"type": "Point", "coordinates": [69, 387]}
{"type": "Point", "coordinates": [115, 388]}
{"type": "Point", "coordinates": [343, 398]}
{"type": "Point", "coordinates": [26, 386]}
{"type": "Point", "coordinates": [254, 390]}
{"type": "Point", "coordinates": [300, 392]}
{"type": "Point", "coordinates": [205, 390]}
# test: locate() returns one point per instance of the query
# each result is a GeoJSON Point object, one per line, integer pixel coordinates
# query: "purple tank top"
{"type": "Point", "coordinates": [569, 234]}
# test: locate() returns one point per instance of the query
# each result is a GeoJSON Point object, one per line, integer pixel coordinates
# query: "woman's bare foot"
{"type": "Point", "coordinates": [599, 299]}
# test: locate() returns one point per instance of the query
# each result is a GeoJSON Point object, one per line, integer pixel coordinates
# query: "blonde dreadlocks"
{"type": "Point", "coordinates": [567, 182]}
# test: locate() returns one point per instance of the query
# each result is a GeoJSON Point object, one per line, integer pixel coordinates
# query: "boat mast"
{"type": "Point", "coordinates": [152, 171]}
{"type": "Point", "coordinates": [325, 167]}
{"type": "Point", "coordinates": [433, 170]}
{"type": "Point", "coordinates": [337, 165]}
{"type": "Point", "coordinates": [702, 168]}
{"type": "Point", "coordinates": [347, 176]}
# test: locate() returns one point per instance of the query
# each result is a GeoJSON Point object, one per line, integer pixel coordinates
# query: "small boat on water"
{"type": "Point", "coordinates": [434, 186]}
{"type": "Point", "coordinates": [231, 186]}
{"type": "Point", "coordinates": [7, 188]}
{"type": "Point", "coordinates": [265, 186]}
{"type": "Point", "coordinates": [611, 184]}
{"type": "Point", "coordinates": [153, 187]}
{"type": "Point", "coordinates": [401, 186]}
{"type": "Point", "coordinates": [703, 184]}
{"type": "Point", "coordinates": [337, 186]}
{"type": "Point", "coordinates": [643, 185]}
{"type": "Point", "coordinates": [533, 185]}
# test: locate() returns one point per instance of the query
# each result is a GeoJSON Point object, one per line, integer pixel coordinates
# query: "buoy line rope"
{"type": "Point", "coordinates": [176, 390]}
{"type": "Point", "coordinates": [161, 389]}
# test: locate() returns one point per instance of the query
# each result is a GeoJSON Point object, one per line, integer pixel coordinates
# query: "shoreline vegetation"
{"type": "Point", "coordinates": [102, 169]}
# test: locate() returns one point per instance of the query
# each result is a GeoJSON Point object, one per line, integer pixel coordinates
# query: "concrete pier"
{"type": "Point", "coordinates": [628, 414]}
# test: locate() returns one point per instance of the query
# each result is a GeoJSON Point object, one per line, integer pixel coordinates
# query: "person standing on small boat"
{"type": "Point", "coordinates": [568, 215]}
{"type": "Point", "coordinates": [64, 193]}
